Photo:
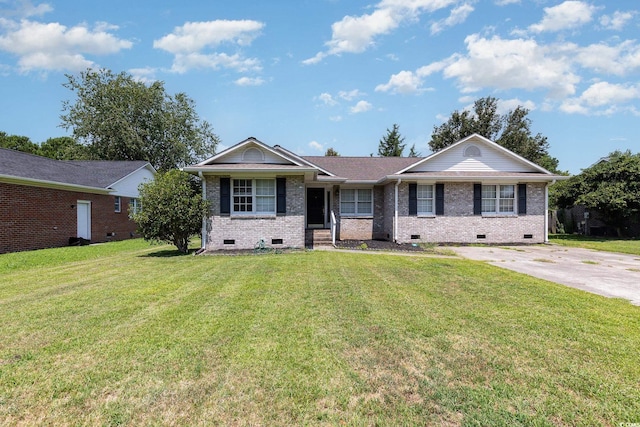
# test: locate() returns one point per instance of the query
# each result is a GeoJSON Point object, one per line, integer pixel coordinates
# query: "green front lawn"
{"type": "Point", "coordinates": [126, 334]}
{"type": "Point", "coordinates": [607, 244]}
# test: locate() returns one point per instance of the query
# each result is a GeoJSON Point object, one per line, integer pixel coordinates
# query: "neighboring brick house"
{"type": "Point", "coordinates": [45, 203]}
{"type": "Point", "coordinates": [474, 191]}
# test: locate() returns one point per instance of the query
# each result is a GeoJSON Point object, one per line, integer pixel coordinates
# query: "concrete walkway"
{"type": "Point", "coordinates": [604, 273]}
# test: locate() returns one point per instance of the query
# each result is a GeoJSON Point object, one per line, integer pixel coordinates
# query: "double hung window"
{"type": "Point", "coordinates": [356, 201]}
{"type": "Point", "coordinates": [424, 195]}
{"type": "Point", "coordinates": [134, 206]}
{"type": "Point", "coordinates": [254, 196]}
{"type": "Point", "coordinates": [498, 199]}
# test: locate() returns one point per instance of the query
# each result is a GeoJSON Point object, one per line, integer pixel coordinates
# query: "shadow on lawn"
{"type": "Point", "coordinates": [583, 238]}
{"type": "Point", "coordinates": [168, 253]}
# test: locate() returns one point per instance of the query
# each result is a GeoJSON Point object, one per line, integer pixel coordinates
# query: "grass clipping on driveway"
{"type": "Point", "coordinates": [117, 334]}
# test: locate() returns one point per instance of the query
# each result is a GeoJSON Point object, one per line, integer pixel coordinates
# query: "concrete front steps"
{"type": "Point", "coordinates": [317, 237]}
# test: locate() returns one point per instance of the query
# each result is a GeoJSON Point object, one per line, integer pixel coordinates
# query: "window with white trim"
{"type": "Point", "coordinates": [254, 196]}
{"type": "Point", "coordinates": [498, 199]}
{"type": "Point", "coordinates": [134, 206]}
{"type": "Point", "coordinates": [117, 207]}
{"type": "Point", "coordinates": [356, 201]}
{"type": "Point", "coordinates": [424, 195]}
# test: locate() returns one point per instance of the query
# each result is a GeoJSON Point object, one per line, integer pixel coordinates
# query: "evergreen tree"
{"type": "Point", "coordinates": [391, 145]}
{"type": "Point", "coordinates": [413, 152]}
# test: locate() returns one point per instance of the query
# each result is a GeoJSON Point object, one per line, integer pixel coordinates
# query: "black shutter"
{"type": "Point", "coordinates": [225, 196]}
{"type": "Point", "coordinates": [522, 199]}
{"type": "Point", "coordinates": [413, 199]}
{"type": "Point", "coordinates": [477, 199]}
{"type": "Point", "coordinates": [281, 195]}
{"type": "Point", "coordinates": [439, 199]}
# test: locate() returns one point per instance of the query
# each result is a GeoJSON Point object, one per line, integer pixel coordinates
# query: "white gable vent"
{"type": "Point", "coordinates": [253, 155]}
{"type": "Point", "coordinates": [472, 151]}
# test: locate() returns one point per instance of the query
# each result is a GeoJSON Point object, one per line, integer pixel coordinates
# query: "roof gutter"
{"type": "Point", "coordinates": [205, 169]}
{"type": "Point", "coordinates": [467, 178]}
{"type": "Point", "coordinates": [12, 179]}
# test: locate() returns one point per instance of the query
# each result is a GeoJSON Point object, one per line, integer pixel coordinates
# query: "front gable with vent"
{"type": "Point", "coordinates": [256, 194]}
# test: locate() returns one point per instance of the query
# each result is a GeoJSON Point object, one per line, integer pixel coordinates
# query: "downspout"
{"type": "Point", "coordinates": [546, 210]}
{"type": "Point", "coordinates": [204, 220]}
{"type": "Point", "coordinates": [395, 212]}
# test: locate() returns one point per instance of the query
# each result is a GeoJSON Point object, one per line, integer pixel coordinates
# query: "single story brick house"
{"type": "Point", "coordinates": [45, 203]}
{"type": "Point", "coordinates": [474, 191]}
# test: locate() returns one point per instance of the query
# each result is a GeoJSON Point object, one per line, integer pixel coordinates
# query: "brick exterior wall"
{"type": "Point", "coordinates": [246, 231]}
{"type": "Point", "coordinates": [37, 218]}
{"type": "Point", "coordinates": [459, 225]}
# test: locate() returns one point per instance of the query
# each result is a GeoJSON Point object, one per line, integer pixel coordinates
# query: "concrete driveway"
{"type": "Point", "coordinates": [603, 273]}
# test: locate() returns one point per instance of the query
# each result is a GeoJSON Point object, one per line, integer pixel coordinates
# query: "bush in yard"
{"type": "Point", "coordinates": [172, 209]}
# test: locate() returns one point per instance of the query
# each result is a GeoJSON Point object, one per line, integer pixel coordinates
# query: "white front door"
{"type": "Point", "coordinates": [84, 219]}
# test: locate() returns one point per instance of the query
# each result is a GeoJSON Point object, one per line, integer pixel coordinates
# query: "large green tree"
{"type": "Point", "coordinates": [17, 142]}
{"type": "Point", "coordinates": [512, 130]}
{"type": "Point", "coordinates": [611, 186]}
{"type": "Point", "coordinates": [121, 118]}
{"type": "Point", "coordinates": [172, 209]}
{"type": "Point", "coordinates": [64, 148]}
{"type": "Point", "coordinates": [391, 145]}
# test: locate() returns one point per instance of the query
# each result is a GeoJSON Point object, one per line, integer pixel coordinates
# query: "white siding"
{"type": "Point", "coordinates": [490, 160]}
{"type": "Point", "coordinates": [128, 187]}
{"type": "Point", "coordinates": [236, 156]}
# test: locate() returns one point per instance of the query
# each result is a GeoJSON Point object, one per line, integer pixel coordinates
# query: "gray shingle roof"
{"type": "Point", "coordinates": [362, 168]}
{"type": "Point", "coordinates": [90, 173]}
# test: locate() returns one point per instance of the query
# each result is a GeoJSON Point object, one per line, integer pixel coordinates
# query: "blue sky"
{"type": "Point", "coordinates": [314, 74]}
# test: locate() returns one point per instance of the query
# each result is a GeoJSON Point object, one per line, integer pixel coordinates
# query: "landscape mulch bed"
{"type": "Point", "coordinates": [366, 245]}
{"type": "Point", "coordinates": [378, 245]}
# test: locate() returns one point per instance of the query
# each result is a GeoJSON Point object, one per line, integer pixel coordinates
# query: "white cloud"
{"type": "Point", "coordinates": [404, 82]}
{"type": "Point", "coordinates": [618, 60]}
{"type": "Point", "coordinates": [335, 118]}
{"type": "Point", "coordinates": [195, 36]}
{"type": "Point", "coordinates": [361, 107]}
{"type": "Point", "coordinates": [249, 81]}
{"type": "Point", "coordinates": [506, 105]}
{"type": "Point", "coordinates": [602, 94]}
{"type": "Point", "coordinates": [355, 34]}
{"type": "Point", "coordinates": [567, 15]}
{"type": "Point", "coordinates": [53, 46]}
{"type": "Point", "coordinates": [185, 62]}
{"type": "Point", "coordinates": [513, 64]}
{"type": "Point", "coordinates": [506, 2]}
{"type": "Point", "coordinates": [458, 15]}
{"type": "Point", "coordinates": [24, 8]}
{"type": "Point", "coordinates": [190, 42]}
{"type": "Point", "coordinates": [316, 146]}
{"type": "Point", "coordinates": [408, 82]}
{"type": "Point", "coordinates": [617, 21]}
{"type": "Point", "coordinates": [145, 75]}
{"type": "Point", "coordinates": [327, 99]}
{"type": "Point", "coordinates": [350, 95]}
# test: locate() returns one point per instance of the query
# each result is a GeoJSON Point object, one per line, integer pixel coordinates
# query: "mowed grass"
{"type": "Point", "coordinates": [607, 244]}
{"type": "Point", "coordinates": [126, 334]}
